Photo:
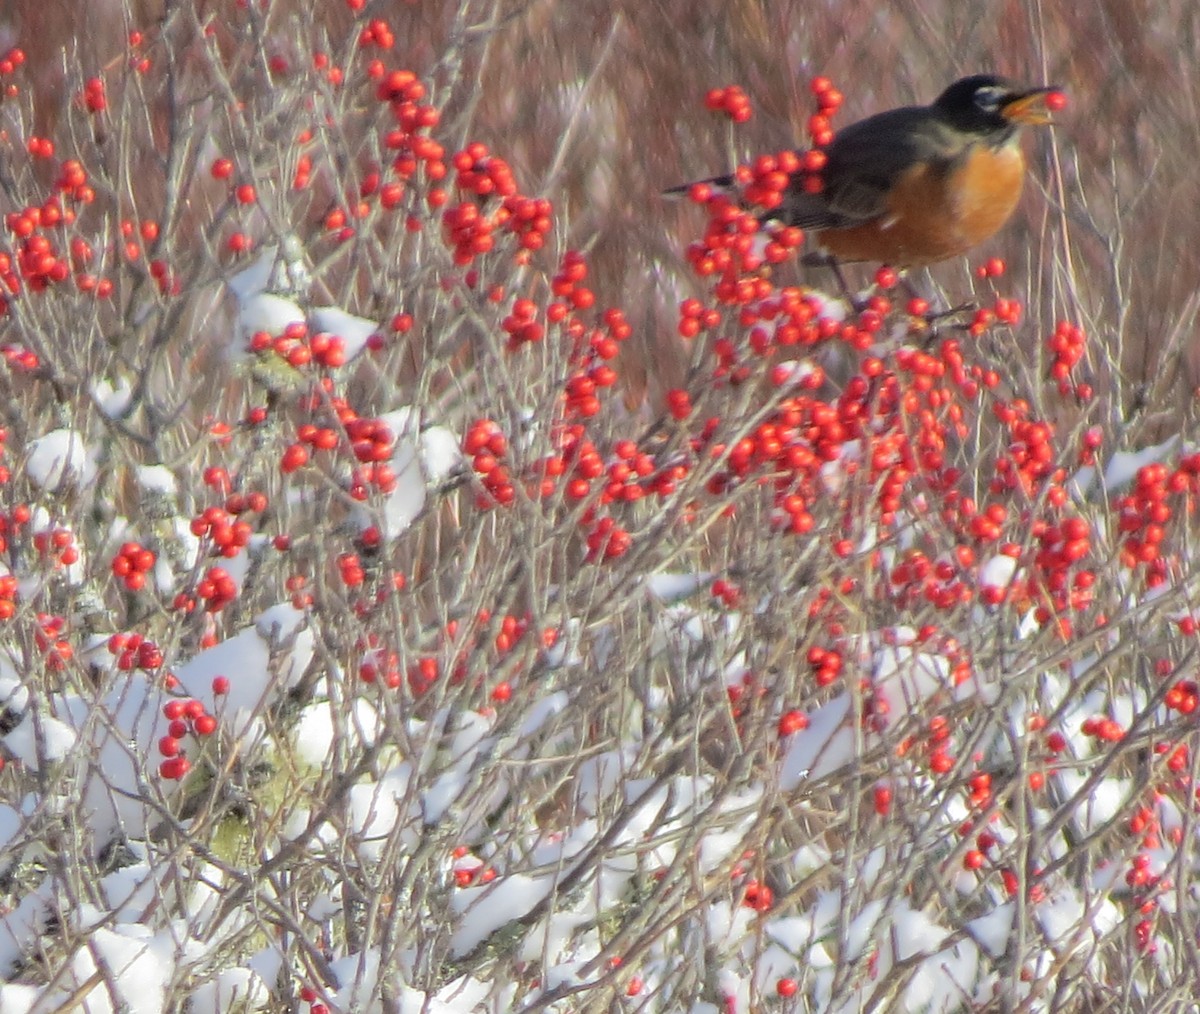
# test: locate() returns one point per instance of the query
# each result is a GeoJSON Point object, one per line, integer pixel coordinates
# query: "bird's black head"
{"type": "Point", "coordinates": [986, 103]}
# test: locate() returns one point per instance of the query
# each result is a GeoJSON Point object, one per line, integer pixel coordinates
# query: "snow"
{"type": "Point", "coordinates": [672, 587]}
{"type": "Point", "coordinates": [231, 989]}
{"type": "Point", "coordinates": [11, 821]}
{"type": "Point", "coordinates": [269, 294]}
{"type": "Point", "coordinates": [942, 984]}
{"type": "Point", "coordinates": [441, 455]}
{"type": "Point", "coordinates": [112, 401]}
{"type": "Point", "coordinates": [997, 571]}
{"type": "Point", "coordinates": [915, 933]}
{"type": "Point", "coordinates": [792, 373]}
{"type": "Point", "coordinates": [272, 269]}
{"type": "Point", "coordinates": [137, 965]}
{"type": "Point", "coordinates": [1106, 799]}
{"type": "Point", "coordinates": [798, 933]}
{"type": "Point", "coordinates": [57, 459]}
{"type": "Point", "coordinates": [17, 999]}
{"type": "Point", "coordinates": [112, 787]}
{"type": "Point", "coordinates": [1070, 924]}
{"type": "Point", "coordinates": [319, 725]}
{"type": "Point", "coordinates": [21, 926]}
{"type": "Point", "coordinates": [14, 694]}
{"type": "Point", "coordinates": [488, 907]}
{"type": "Point", "coordinates": [360, 972]}
{"type": "Point", "coordinates": [262, 662]}
{"type": "Point", "coordinates": [378, 810]}
{"type": "Point", "coordinates": [544, 708]}
{"type": "Point", "coordinates": [439, 797]}
{"type": "Point", "coordinates": [907, 678]}
{"type": "Point", "coordinates": [992, 931]}
{"type": "Point", "coordinates": [423, 457]}
{"type": "Point", "coordinates": [354, 331]}
{"type": "Point", "coordinates": [268, 312]}
{"type": "Point", "coordinates": [157, 479]}
{"type": "Point", "coordinates": [1122, 467]}
{"type": "Point", "coordinates": [597, 777]}
{"type": "Point", "coordinates": [405, 503]}
{"type": "Point", "coordinates": [245, 659]}
{"type": "Point", "coordinates": [822, 748]}
{"type": "Point", "coordinates": [564, 651]}
{"type": "Point", "coordinates": [37, 738]}
{"type": "Point", "coordinates": [863, 928]}
{"type": "Point", "coordinates": [120, 728]}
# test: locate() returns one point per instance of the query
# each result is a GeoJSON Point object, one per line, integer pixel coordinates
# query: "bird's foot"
{"type": "Point", "coordinates": [820, 259]}
{"type": "Point", "coordinates": [933, 316]}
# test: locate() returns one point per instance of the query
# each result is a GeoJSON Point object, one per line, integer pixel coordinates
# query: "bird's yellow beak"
{"type": "Point", "coordinates": [1032, 107]}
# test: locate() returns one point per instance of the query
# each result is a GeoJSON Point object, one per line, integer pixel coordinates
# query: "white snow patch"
{"type": "Point", "coordinates": [1122, 467]}
{"type": "Point", "coordinates": [997, 571]}
{"type": "Point", "coordinates": [279, 271]}
{"type": "Point", "coordinates": [799, 933]}
{"type": "Point", "coordinates": [1106, 799]}
{"type": "Point", "coordinates": [486, 908]}
{"type": "Point", "coordinates": [319, 725]}
{"type": "Point", "coordinates": [354, 331]}
{"type": "Point", "coordinates": [39, 738]}
{"type": "Point", "coordinates": [11, 821]}
{"type": "Point", "coordinates": [17, 999]}
{"type": "Point", "coordinates": [59, 457]}
{"type": "Point", "coordinates": [267, 312]}
{"type": "Point", "coordinates": [915, 933]}
{"type": "Point", "coordinates": [992, 931]}
{"type": "Point", "coordinates": [113, 401]}
{"type": "Point", "coordinates": [906, 678]}
{"type": "Point", "coordinates": [943, 983]}
{"type": "Point", "coordinates": [405, 503]}
{"type": "Point", "coordinates": [232, 989]}
{"type": "Point", "coordinates": [824, 747]}
{"type": "Point", "coordinates": [375, 815]}
{"type": "Point", "coordinates": [157, 479]}
{"type": "Point", "coordinates": [21, 926]}
{"type": "Point", "coordinates": [542, 711]}
{"type": "Point", "coordinates": [139, 962]}
{"type": "Point", "coordinates": [862, 929]}
{"type": "Point", "coordinates": [672, 587]}
{"type": "Point", "coordinates": [441, 454]}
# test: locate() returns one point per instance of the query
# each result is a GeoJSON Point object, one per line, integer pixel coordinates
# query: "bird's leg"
{"type": "Point", "coordinates": [820, 259]}
{"type": "Point", "coordinates": [933, 316]}
{"type": "Point", "coordinates": [967, 307]}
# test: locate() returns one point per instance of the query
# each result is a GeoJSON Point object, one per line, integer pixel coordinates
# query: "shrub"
{"type": "Point", "coordinates": [362, 648]}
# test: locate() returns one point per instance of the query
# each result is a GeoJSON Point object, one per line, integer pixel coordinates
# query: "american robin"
{"type": "Point", "coordinates": [916, 185]}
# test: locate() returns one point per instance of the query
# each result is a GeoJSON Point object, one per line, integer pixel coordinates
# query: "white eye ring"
{"type": "Point", "coordinates": [989, 98]}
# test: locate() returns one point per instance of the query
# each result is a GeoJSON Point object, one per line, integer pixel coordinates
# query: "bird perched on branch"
{"type": "Point", "coordinates": [916, 185]}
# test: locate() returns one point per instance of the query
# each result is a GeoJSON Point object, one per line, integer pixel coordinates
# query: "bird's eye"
{"type": "Point", "coordinates": [989, 98]}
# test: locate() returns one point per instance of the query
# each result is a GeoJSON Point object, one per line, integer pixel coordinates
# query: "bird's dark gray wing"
{"type": "Point", "coordinates": [864, 162]}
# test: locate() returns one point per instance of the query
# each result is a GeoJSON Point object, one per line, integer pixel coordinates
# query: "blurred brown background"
{"type": "Point", "coordinates": [598, 105]}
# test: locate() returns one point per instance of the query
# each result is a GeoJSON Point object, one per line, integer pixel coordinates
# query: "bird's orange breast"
{"type": "Point", "coordinates": [936, 214]}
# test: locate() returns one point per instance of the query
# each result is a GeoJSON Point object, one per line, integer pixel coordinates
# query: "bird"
{"type": "Point", "coordinates": [920, 184]}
